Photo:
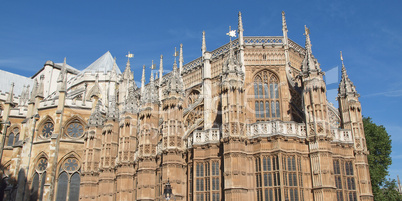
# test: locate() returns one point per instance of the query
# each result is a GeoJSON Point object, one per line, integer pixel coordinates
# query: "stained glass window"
{"type": "Point", "coordinates": [62, 185]}
{"type": "Point", "coordinates": [69, 180]}
{"type": "Point", "coordinates": [75, 130]}
{"type": "Point", "coordinates": [71, 165]}
{"type": "Point", "coordinates": [10, 139]}
{"type": "Point", "coordinates": [47, 130]}
{"type": "Point", "coordinates": [74, 187]}
{"type": "Point", "coordinates": [42, 164]}
{"type": "Point", "coordinates": [35, 187]}
{"type": "Point", "coordinates": [266, 93]}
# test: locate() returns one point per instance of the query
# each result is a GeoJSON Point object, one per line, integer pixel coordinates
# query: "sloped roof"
{"type": "Point", "coordinates": [6, 78]}
{"type": "Point", "coordinates": [102, 64]}
{"type": "Point", "coordinates": [69, 68]}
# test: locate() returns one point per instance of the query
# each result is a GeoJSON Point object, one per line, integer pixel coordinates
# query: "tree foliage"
{"type": "Point", "coordinates": [379, 145]}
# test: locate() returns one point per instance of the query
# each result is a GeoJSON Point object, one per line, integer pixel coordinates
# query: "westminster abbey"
{"type": "Point", "coordinates": [247, 121]}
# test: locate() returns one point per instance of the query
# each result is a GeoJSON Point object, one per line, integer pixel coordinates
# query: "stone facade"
{"type": "Point", "coordinates": [247, 121]}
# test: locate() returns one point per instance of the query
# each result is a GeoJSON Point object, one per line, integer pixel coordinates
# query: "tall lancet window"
{"type": "Point", "coordinates": [38, 181]}
{"type": "Point", "coordinates": [266, 94]}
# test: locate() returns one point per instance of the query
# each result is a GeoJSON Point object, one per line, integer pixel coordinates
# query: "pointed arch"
{"type": "Point", "coordinates": [266, 95]}
{"type": "Point", "coordinates": [68, 177]}
{"type": "Point", "coordinates": [13, 135]}
{"type": "Point", "coordinates": [74, 127]}
{"type": "Point", "coordinates": [45, 128]}
{"type": "Point", "coordinates": [38, 177]}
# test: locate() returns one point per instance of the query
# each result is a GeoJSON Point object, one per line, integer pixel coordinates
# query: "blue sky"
{"type": "Point", "coordinates": [368, 32]}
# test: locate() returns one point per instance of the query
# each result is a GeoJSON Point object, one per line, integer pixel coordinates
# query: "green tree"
{"type": "Point", "coordinates": [379, 145]}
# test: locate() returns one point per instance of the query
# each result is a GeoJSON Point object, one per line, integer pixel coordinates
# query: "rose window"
{"type": "Point", "coordinates": [75, 130]}
{"type": "Point", "coordinates": [47, 130]}
{"type": "Point", "coordinates": [42, 165]}
{"type": "Point", "coordinates": [71, 165]}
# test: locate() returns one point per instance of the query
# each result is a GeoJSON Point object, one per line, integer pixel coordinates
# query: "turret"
{"type": "Point", "coordinates": [173, 132]}
{"type": "Point", "coordinates": [351, 119]}
{"type": "Point", "coordinates": [317, 123]}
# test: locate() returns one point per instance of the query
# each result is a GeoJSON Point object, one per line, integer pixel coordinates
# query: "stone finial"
{"type": "Point", "coordinates": [62, 71]}
{"type": "Point", "coordinates": [309, 64]}
{"type": "Point", "coordinates": [127, 72]}
{"type": "Point", "coordinates": [41, 88]}
{"type": "Point", "coordinates": [131, 103]}
{"type": "Point", "coordinates": [160, 71]}
{"type": "Point", "coordinates": [204, 44]}
{"type": "Point", "coordinates": [62, 79]}
{"type": "Point", "coordinates": [346, 87]}
{"type": "Point", "coordinates": [175, 83]}
{"type": "Point", "coordinates": [143, 79]}
{"type": "Point", "coordinates": [10, 97]}
{"type": "Point", "coordinates": [240, 23]}
{"type": "Point", "coordinates": [181, 59]}
{"type": "Point", "coordinates": [96, 118]}
{"type": "Point", "coordinates": [113, 111]}
{"type": "Point", "coordinates": [150, 93]}
{"type": "Point", "coordinates": [284, 26]}
{"type": "Point", "coordinates": [34, 90]}
{"type": "Point", "coordinates": [24, 97]}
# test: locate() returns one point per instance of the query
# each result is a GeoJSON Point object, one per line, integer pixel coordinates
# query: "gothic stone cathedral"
{"type": "Point", "coordinates": [247, 121]}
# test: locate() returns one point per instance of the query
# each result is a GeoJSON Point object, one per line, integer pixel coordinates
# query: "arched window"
{"type": "Point", "coordinates": [13, 137]}
{"type": "Point", "coordinates": [68, 183]}
{"type": "Point", "coordinates": [39, 178]}
{"type": "Point", "coordinates": [266, 91]}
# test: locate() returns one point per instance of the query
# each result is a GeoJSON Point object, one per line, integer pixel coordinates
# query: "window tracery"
{"type": "Point", "coordinates": [344, 180]}
{"type": "Point", "coordinates": [68, 182]}
{"type": "Point", "coordinates": [266, 95]}
{"type": "Point", "coordinates": [75, 129]}
{"type": "Point", "coordinates": [38, 181]}
{"type": "Point", "coordinates": [207, 181]}
{"type": "Point", "coordinates": [47, 130]}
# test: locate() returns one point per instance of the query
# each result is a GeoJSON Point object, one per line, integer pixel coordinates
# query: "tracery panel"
{"type": "Point", "coordinates": [68, 183]}
{"type": "Point", "coordinates": [266, 96]}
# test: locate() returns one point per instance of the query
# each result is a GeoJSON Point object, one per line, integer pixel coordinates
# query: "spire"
{"type": "Point", "coordinates": [150, 93]}
{"type": "Point", "coordinates": [143, 79]}
{"type": "Point", "coordinates": [175, 82]}
{"type": "Point", "coordinates": [231, 64]}
{"type": "Point", "coordinates": [62, 79]}
{"type": "Point", "coordinates": [309, 64]}
{"type": "Point", "coordinates": [240, 23]}
{"type": "Point", "coordinates": [24, 97]}
{"type": "Point", "coordinates": [181, 59]}
{"type": "Point", "coordinates": [160, 71]}
{"type": "Point", "coordinates": [10, 97]}
{"type": "Point", "coordinates": [131, 102]}
{"type": "Point", "coordinates": [41, 86]}
{"type": "Point", "coordinates": [204, 44]}
{"type": "Point", "coordinates": [240, 31]}
{"type": "Point", "coordinates": [346, 87]}
{"type": "Point", "coordinates": [34, 90]}
{"type": "Point", "coordinates": [62, 71]}
{"type": "Point", "coordinates": [127, 74]}
{"type": "Point", "coordinates": [284, 28]}
{"type": "Point", "coordinates": [129, 55]}
{"type": "Point", "coordinates": [96, 118]}
{"type": "Point", "coordinates": [113, 112]}
{"type": "Point", "coordinates": [175, 56]}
